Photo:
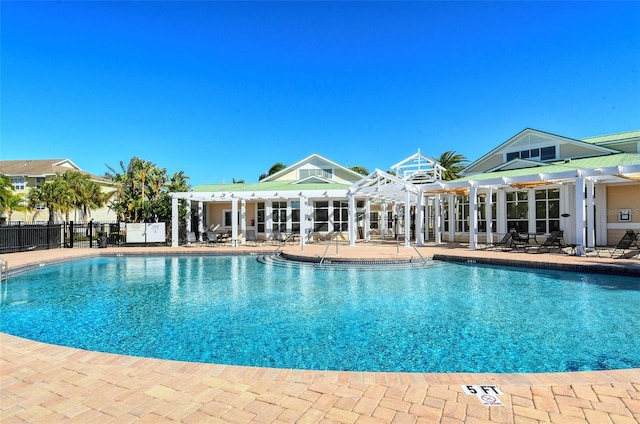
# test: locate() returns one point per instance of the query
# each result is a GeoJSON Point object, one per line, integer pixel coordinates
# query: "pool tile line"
{"type": "Point", "coordinates": [47, 383]}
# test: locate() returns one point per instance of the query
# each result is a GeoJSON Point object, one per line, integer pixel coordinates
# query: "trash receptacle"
{"type": "Point", "coordinates": [102, 240]}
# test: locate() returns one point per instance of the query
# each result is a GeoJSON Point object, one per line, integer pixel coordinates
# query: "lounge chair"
{"type": "Point", "coordinates": [192, 239]}
{"type": "Point", "coordinates": [252, 238]}
{"type": "Point", "coordinates": [554, 240]}
{"type": "Point", "coordinates": [517, 241]}
{"type": "Point", "coordinates": [212, 236]}
{"type": "Point", "coordinates": [627, 242]}
{"type": "Point", "coordinates": [504, 243]}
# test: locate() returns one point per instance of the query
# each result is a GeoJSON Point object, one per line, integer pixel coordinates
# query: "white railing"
{"type": "Point", "coordinates": [4, 270]}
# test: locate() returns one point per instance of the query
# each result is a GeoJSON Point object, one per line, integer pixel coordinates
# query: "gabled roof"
{"type": "Point", "coordinates": [383, 186]}
{"type": "Point", "coordinates": [418, 168]}
{"type": "Point", "coordinates": [606, 161]}
{"type": "Point", "coordinates": [308, 159]}
{"type": "Point", "coordinates": [531, 133]}
{"type": "Point", "coordinates": [41, 168]}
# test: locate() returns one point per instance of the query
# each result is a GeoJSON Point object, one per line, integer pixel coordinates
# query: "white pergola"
{"type": "Point", "coordinates": [239, 201]}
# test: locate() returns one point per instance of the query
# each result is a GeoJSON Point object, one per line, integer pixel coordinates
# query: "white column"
{"type": "Point", "coordinates": [579, 215]}
{"type": "Point", "coordinates": [352, 220]}
{"type": "Point", "coordinates": [268, 219]}
{"type": "Point", "coordinates": [367, 220]}
{"type": "Point", "coordinates": [243, 219]}
{"type": "Point", "coordinates": [591, 231]}
{"type": "Point", "coordinates": [234, 222]}
{"type": "Point", "coordinates": [531, 205]}
{"type": "Point", "coordinates": [501, 212]}
{"type": "Point", "coordinates": [187, 219]}
{"type": "Point", "coordinates": [437, 225]}
{"type": "Point", "coordinates": [420, 219]}
{"type": "Point", "coordinates": [452, 217]}
{"type": "Point", "coordinates": [473, 217]}
{"type": "Point", "coordinates": [427, 218]}
{"type": "Point", "coordinates": [407, 218]}
{"type": "Point", "coordinates": [601, 214]}
{"type": "Point", "coordinates": [200, 226]}
{"type": "Point", "coordinates": [383, 221]}
{"type": "Point", "coordinates": [488, 213]}
{"type": "Point", "coordinates": [174, 222]}
{"type": "Point", "coordinates": [304, 221]}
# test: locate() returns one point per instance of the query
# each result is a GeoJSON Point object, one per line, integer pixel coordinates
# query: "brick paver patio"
{"type": "Point", "coordinates": [43, 383]}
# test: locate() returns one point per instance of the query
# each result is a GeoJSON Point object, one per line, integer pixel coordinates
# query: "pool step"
{"type": "Point", "coordinates": [280, 260]}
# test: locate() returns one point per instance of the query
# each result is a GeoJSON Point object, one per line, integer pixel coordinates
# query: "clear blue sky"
{"type": "Point", "coordinates": [223, 90]}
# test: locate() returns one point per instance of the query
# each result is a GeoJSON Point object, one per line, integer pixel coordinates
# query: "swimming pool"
{"type": "Point", "coordinates": [443, 317]}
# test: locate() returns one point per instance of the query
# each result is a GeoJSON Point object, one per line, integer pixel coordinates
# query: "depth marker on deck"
{"type": "Point", "coordinates": [487, 394]}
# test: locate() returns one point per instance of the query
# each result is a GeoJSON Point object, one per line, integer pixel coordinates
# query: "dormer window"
{"type": "Point", "coordinates": [306, 173]}
{"type": "Point", "coordinates": [541, 154]}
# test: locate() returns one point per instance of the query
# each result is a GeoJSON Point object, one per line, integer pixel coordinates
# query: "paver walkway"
{"type": "Point", "coordinates": [43, 383]}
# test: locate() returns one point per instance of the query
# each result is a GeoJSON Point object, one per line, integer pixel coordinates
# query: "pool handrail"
{"type": "Point", "coordinates": [4, 270]}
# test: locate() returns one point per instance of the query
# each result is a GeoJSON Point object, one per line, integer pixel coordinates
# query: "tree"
{"type": "Point", "coordinates": [6, 190]}
{"type": "Point", "coordinates": [86, 194]}
{"type": "Point", "coordinates": [360, 170]}
{"type": "Point", "coordinates": [11, 201]}
{"type": "Point", "coordinates": [453, 163]}
{"type": "Point", "coordinates": [142, 190]}
{"type": "Point", "coordinates": [276, 167]}
{"type": "Point", "coordinates": [55, 195]}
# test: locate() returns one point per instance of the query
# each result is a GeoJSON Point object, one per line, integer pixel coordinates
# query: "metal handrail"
{"type": "Point", "coordinates": [284, 242]}
{"type": "Point", "coordinates": [4, 270]}
{"type": "Point", "coordinates": [410, 244]}
{"type": "Point", "coordinates": [324, 254]}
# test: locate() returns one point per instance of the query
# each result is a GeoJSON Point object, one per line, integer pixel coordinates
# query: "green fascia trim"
{"type": "Point", "coordinates": [268, 186]}
{"type": "Point", "coordinates": [612, 137]}
{"type": "Point", "coordinates": [621, 159]}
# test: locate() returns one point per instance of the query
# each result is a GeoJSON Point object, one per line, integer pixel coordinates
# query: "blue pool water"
{"type": "Point", "coordinates": [235, 310]}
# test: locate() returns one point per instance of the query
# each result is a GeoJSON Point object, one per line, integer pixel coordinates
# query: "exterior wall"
{"type": "Point", "coordinates": [632, 147]}
{"type": "Point", "coordinates": [489, 163]}
{"type": "Point", "coordinates": [38, 216]}
{"type": "Point", "coordinates": [622, 197]}
{"type": "Point", "coordinates": [341, 176]}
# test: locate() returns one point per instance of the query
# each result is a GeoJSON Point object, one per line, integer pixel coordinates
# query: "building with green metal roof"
{"type": "Point", "coordinates": [533, 183]}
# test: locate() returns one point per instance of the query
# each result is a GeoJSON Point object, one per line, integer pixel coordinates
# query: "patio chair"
{"type": "Point", "coordinates": [627, 242]}
{"type": "Point", "coordinates": [212, 236]}
{"type": "Point", "coordinates": [504, 243]}
{"type": "Point", "coordinates": [554, 240]}
{"type": "Point", "coordinates": [518, 241]}
{"type": "Point", "coordinates": [252, 238]}
{"type": "Point", "coordinates": [276, 238]}
{"type": "Point", "coordinates": [192, 239]}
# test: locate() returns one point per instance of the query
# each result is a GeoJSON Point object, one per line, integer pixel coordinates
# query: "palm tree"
{"type": "Point", "coordinates": [86, 194]}
{"type": "Point", "coordinates": [453, 163]}
{"type": "Point", "coordinates": [55, 195]}
{"type": "Point", "coordinates": [13, 202]}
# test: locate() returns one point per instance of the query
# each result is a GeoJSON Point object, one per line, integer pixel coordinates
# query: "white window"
{"type": "Point", "coordinates": [18, 183]}
{"type": "Point", "coordinates": [325, 173]}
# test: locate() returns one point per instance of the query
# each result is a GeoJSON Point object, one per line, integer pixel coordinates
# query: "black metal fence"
{"type": "Point", "coordinates": [25, 237]}
{"type": "Point", "coordinates": [20, 238]}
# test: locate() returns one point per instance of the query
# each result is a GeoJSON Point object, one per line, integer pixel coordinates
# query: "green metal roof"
{"type": "Point", "coordinates": [612, 137]}
{"type": "Point", "coordinates": [269, 186]}
{"type": "Point", "coordinates": [621, 159]}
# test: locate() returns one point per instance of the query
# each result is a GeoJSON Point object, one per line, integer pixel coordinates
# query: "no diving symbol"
{"type": "Point", "coordinates": [489, 400]}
